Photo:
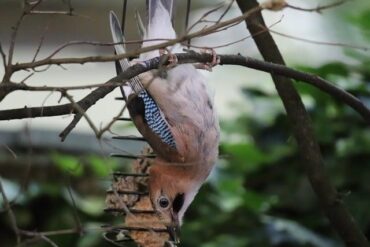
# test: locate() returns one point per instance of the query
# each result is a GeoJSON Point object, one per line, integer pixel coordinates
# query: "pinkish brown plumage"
{"type": "Point", "coordinates": [187, 139]}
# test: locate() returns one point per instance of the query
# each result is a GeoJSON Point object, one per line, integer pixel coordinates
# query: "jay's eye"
{"type": "Point", "coordinates": [163, 202]}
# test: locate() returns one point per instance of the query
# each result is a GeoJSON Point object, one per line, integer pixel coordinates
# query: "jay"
{"type": "Point", "coordinates": [176, 115]}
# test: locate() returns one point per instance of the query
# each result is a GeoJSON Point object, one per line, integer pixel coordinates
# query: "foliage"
{"type": "Point", "coordinates": [260, 196]}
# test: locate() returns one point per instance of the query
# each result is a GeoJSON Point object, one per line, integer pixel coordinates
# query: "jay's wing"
{"type": "Point", "coordinates": [144, 111]}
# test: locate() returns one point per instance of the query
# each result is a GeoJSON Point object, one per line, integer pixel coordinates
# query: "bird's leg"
{"type": "Point", "coordinates": [172, 58]}
{"type": "Point", "coordinates": [208, 66]}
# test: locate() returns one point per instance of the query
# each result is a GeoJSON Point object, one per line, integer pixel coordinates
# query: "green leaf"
{"type": "Point", "coordinates": [258, 202]}
{"type": "Point", "coordinates": [92, 205]}
{"type": "Point", "coordinates": [101, 166]}
{"type": "Point", "coordinates": [246, 153]}
{"type": "Point", "coordinates": [362, 21]}
{"type": "Point", "coordinates": [328, 69]}
{"type": "Point", "coordinates": [68, 163]}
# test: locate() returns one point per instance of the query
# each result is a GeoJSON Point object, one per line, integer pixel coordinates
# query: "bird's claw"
{"type": "Point", "coordinates": [172, 58]}
{"type": "Point", "coordinates": [209, 65]}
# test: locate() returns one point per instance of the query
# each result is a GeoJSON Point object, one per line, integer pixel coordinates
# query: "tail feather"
{"type": "Point", "coordinates": [159, 24]}
{"type": "Point", "coordinates": [163, 5]}
{"type": "Point", "coordinates": [168, 5]}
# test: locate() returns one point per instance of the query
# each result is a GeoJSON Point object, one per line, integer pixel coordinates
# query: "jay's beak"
{"type": "Point", "coordinates": [174, 230]}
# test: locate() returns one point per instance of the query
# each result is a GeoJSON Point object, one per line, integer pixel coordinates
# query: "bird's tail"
{"type": "Point", "coordinates": [159, 25]}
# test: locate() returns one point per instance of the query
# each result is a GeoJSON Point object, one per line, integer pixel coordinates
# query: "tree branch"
{"type": "Point", "coordinates": [80, 113]}
{"type": "Point", "coordinates": [192, 57]}
{"type": "Point", "coordinates": [319, 8]}
{"type": "Point", "coordinates": [91, 59]}
{"type": "Point", "coordinates": [330, 200]}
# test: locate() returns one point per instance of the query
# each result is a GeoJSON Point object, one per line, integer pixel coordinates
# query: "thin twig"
{"type": "Point", "coordinates": [11, 214]}
{"type": "Point", "coordinates": [219, 6]}
{"type": "Point", "coordinates": [25, 79]}
{"type": "Point", "coordinates": [32, 4]}
{"type": "Point", "coordinates": [28, 6]}
{"type": "Point", "coordinates": [10, 150]}
{"type": "Point", "coordinates": [70, 7]}
{"type": "Point", "coordinates": [51, 12]}
{"type": "Point", "coordinates": [124, 13]}
{"type": "Point", "coordinates": [75, 213]}
{"type": "Point", "coordinates": [206, 31]}
{"type": "Point", "coordinates": [48, 240]}
{"type": "Point", "coordinates": [49, 233]}
{"type": "Point", "coordinates": [14, 36]}
{"type": "Point", "coordinates": [24, 87]}
{"type": "Point", "coordinates": [187, 17]}
{"type": "Point", "coordinates": [90, 59]}
{"type": "Point", "coordinates": [319, 9]}
{"type": "Point", "coordinates": [316, 42]}
{"type": "Point", "coordinates": [309, 149]}
{"type": "Point", "coordinates": [3, 56]}
{"type": "Point", "coordinates": [225, 12]}
{"type": "Point", "coordinates": [109, 125]}
{"type": "Point", "coordinates": [193, 57]}
{"type": "Point", "coordinates": [42, 38]}
{"type": "Point", "coordinates": [95, 43]}
{"type": "Point", "coordinates": [239, 40]}
{"type": "Point", "coordinates": [82, 112]}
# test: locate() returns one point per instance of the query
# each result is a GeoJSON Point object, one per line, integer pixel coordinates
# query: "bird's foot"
{"type": "Point", "coordinates": [215, 60]}
{"type": "Point", "coordinates": [172, 58]}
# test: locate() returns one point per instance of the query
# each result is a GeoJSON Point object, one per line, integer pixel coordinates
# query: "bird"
{"type": "Point", "coordinates": [175, 114]}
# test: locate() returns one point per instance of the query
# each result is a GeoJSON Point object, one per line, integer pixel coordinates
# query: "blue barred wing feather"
{"type": "Point", "coordinates": [144, 111]}
{"type": "Point", "coordinates": [155, 119]}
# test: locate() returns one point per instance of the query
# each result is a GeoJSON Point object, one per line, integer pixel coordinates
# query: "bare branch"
{"type": "Point", "coordinates": [12, 86]}
{"type": "Point", "coordinates": [42, 38]}
{"type": "Point", "coordinates": [109, 125]}
{"type": "Point", "coordinates": [69, 12]}
{"type": "Point", "coordinates": [278, 5]}
{"type": "Point", "coordinates": [90, 59]}
{"type": "Point", "coordinates": [14, 155]}
{"type": "Point", "coordinates": [81, 112]}
{"type": "Point", "coordinates": [312, 160]}
{"type": "Point", "coordinates": [187, 16]}
{"type": "Point", "coordinates": [75, 213]}
{"type": "Point", "coordinates": [239, 40]}
{"type": "Point", "coordinates": [192, 57]}
{"type": "Point", "coordinates": [3, 56]}
{"type": "Point", "coordinates": [77, 117]}
{"type": "Point", "coordinates": [319, 9]}
{"type": "Point", "coordinates": [23, 80]}
{"type": "Point", "coordinates": [48, 240]}
{"type": "Point", "coordinates": [11, 214]}
{"type": "Point", "coordinates": [28, 6]}
{"type": "Point", "coordinates": [226, 11]}
{"type": "Point", "coordinates": [49, 233]}
{"type": "Point", "coordinates": [201, 19]}
{"type": "Point", "coordinates": [363, 48]}
{"type": "Point", "coordinates": [51, 12]}
{"type": "Point", "coordinates": [14, 36]}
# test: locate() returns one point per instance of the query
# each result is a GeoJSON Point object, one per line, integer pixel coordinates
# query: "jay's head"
{"type": "Point", "coordinates": [171, 191]}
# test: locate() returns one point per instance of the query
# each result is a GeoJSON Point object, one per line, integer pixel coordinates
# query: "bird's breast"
{"type": "Point", "coordinates": [183, 98]}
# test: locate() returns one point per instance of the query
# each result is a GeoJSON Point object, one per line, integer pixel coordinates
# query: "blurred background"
{"type": "Point", "coordinates": [258, 195]}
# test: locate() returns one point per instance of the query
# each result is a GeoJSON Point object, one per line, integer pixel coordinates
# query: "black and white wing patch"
{"type": "Point", "coordinates": [155, 119]}
{"type": "Point", "coordinates": [144, 111]}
